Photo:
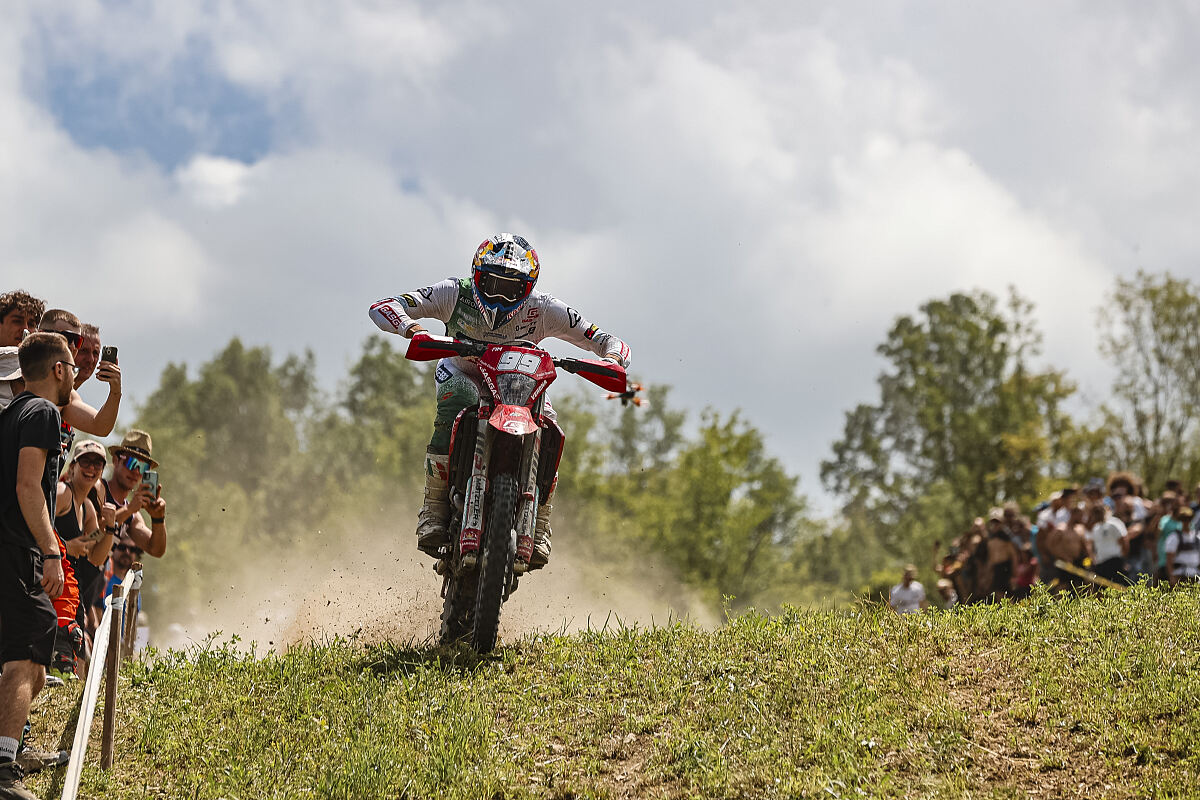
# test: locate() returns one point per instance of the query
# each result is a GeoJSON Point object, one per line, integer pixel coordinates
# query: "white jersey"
{"type": "Point", "coordinates": [1106, 539]}
{"type": "Point", "coordinates": [541, 316]}
{"type": "Point", "coordinates": [907, 599]}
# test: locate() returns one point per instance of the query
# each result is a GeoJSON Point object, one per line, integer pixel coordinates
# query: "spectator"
{"type": "Point", "coordinates": [1054, 516]}
{"type": "Point", "coordinates": [1128, 508]}
{"type": "Point", "coordinates": [946, 592]}
{"type": "Point", "coordinates": [1002, 556]}
{"type": "Point", "coordinates": [11, 384]}
{"type": "Point", "coordinates": [124, 553]}
{"type": "Point", "coordinates": [89, 353]}
{"type": "Point", "coordinates": [1065, 542]}
{"type": "Point", "coordinates": [31, 573]}
{"type": "Point", "coordinates": [908, 596]}
{"type": "Point", "coordinates": [1164, 522]}
{"type": "Point", "coordinates": [19, 313]}
{"type": "Point", "coordinates": [1106, 542]}
{"type": "Point", "coordinates": [76, 413]}
{"type": "Point", "coordinates": [1182, 549]}
{"type": "Point", "coordinates": [86, 535]}
{"type": "Point", "coordinates": [127, 491]}
{"type": "Point", "coordinates": [1026, 573]}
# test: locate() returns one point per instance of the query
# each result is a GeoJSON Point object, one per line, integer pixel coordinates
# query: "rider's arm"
{"type": "Point", "coordinates": [400, 314]}
{"type": "Point", "coordinates": [563, 322]}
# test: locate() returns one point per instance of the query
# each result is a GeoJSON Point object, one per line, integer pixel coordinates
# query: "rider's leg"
{"type": "Point", "coordinates": [541, 526]}
{"type": "Point", "coordinates": [542, 531]}
{"type": "Point", "coordinates": [455, 391]}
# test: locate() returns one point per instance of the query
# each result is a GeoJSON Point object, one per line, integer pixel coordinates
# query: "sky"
{"type": "Point", "coordinates": [749, 194]}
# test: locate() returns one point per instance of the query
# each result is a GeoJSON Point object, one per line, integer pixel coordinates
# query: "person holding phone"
{"type": "Point", "coordinates": [134, 488]}
{"type": "Point", "coordinates": [89, 353]}
{"type": "Point", "coordinates": [75, 412]}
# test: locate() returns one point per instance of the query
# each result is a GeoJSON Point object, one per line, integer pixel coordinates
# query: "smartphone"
{"type": "Point", "coordinates": [108, 354]}
{"type": "Point", "coordinates": [151, 482]}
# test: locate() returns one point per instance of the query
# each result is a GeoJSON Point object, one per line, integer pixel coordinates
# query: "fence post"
{"type": "Point", "coordinates": [112, 668]}
{"type": "Point", "coordinates": [131, 611]}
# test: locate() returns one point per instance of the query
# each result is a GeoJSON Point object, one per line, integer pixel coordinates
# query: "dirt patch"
{"type": "Point", "coordinates": [1012, 743]}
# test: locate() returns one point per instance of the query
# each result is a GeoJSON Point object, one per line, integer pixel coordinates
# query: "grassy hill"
{"type": "Point", "coordinates": [1088, 698]}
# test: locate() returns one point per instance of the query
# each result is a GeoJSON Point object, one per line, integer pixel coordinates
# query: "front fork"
{"type": "Point", "coordinates": [476, 498]}
{"type": "Point", "coordinates": [477, 485]}
{"type": "Point", "coordinates": [527, 510]}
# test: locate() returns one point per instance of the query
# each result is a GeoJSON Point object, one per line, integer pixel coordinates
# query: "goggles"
{"type": "Point", "coordinates": [501, 288]}
{"type": "Point", "coordinates": [135, 464]}
{"type": "Point", "coordinates": [128, 548]}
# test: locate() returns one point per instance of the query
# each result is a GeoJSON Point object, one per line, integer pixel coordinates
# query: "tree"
{"type": "Point", "coordinates": [961, 414]}
{"type": "Point", "coordinates": [1150, 331]}
{"type": "Point", "coordinates": [727, 512]}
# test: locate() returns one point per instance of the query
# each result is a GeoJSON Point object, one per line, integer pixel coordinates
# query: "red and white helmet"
{"type": "Point", "coordinates": [503, 274]}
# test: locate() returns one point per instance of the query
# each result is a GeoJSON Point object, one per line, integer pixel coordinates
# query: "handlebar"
{"type": "Point", "coordinates": [427, 347]}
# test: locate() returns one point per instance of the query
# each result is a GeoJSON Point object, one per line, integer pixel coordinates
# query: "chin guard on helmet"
{"type": "Point", "coordinates": [503, 274]}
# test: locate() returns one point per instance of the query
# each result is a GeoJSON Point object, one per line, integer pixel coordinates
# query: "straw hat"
{"type": "Point", "coordinates": [136, 443]}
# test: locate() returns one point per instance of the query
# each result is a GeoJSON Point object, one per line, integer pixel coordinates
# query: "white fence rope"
{"type": "Point", "coordinates": [91, 687]}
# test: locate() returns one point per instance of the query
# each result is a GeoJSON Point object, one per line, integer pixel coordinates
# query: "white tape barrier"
{"type": "Point", "coordinates": [91, 687]}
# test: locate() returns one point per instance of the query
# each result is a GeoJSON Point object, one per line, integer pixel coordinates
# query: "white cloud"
{"type": "Point", "coordinates": [213, 181]}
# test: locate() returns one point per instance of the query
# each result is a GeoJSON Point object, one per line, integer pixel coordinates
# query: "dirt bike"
{"type": "Point", "coordinates": [504, 455]}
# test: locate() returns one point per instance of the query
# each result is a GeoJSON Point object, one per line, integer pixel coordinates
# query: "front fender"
{"type": "Point", "coordinates": [515, 420]}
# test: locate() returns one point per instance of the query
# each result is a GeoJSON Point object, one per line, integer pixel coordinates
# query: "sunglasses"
{"type": "Point", "coordinates": [73, 339]}
{"type": "Point", "coordinates": [134, 464]}
{"type": "Point", "coordinates": [94, 462]}
{"type": "Point", "coordinates": [128, 548]}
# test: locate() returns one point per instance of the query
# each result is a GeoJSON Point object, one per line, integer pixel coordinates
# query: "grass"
{"type": "Point", "coordinates": [1055, 697]}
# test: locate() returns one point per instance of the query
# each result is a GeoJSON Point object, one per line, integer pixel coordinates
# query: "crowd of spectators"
{"type": "Point", "coordinates": [68, 534]}
{"type": "Point", "coordinates": [1106, 533]}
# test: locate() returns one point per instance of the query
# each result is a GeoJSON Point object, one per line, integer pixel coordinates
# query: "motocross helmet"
{"type": "Point", "coordinates": [503, 273]}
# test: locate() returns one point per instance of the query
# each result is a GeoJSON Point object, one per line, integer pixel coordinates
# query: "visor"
{"type": "Point", "coordinates": [501, 288]}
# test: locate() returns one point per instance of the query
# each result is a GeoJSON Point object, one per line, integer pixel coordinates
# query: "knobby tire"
{"type": "Point", "coordinates": [457, 607]}
{"type": "Point", "coordinates": [498, 551]}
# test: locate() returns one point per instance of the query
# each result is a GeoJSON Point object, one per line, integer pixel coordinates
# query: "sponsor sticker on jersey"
{"type": "Point", "coordinates": [409, 300]}
{"type": "Point", "coordinates": [427, 292]}
{"type": "Point", "coordinates": [441, 375]}
{"type": "Point", "coordinates": [391, 316]}
{"type": "Point", "coordinates": [574, 317]}
{"type": "Point", "coordinates": [591, 332]}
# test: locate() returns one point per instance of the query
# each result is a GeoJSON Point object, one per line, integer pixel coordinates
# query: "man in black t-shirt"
{"type": "Point", "coordinates": [30, 561]}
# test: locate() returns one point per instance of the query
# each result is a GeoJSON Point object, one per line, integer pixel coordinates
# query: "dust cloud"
{"type": "Point", "coordinates": [376, 586]}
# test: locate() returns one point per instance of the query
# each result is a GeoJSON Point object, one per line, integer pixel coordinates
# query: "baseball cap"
{"type": "Point", "coordinates": [87, 447]}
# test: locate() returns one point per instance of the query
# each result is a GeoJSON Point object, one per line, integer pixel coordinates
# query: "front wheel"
{"type": "Point", "coordinates": [498, 551]}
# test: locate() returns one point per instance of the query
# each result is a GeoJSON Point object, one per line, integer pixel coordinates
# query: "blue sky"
{"type": "Point", "coordinates": [749, 196]}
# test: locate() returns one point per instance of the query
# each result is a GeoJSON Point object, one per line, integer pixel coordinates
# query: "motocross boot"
{"type": "Point", "coordinates": [434, 516]}
{"type": "Point", "coordinates": [541, 535]}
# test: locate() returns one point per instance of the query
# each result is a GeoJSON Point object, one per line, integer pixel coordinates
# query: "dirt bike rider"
{"type": "Point", "coordinates": [497, 303]}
